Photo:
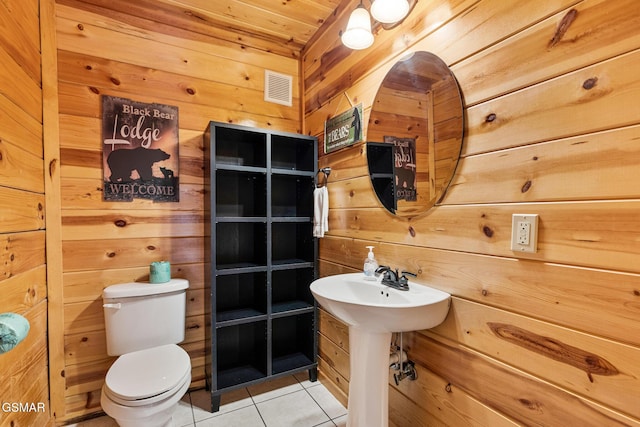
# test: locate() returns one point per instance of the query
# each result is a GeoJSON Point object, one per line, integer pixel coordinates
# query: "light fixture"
{"type": "Point", "coordinates": [389, 11]}
{"type": "Point", "coordinates": [358, 34]}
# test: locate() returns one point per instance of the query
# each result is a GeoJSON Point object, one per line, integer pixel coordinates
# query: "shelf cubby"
{"type": "Point", "coordinates": [291, 196]}
{"type": "Point", "coordinates": [240, 147]}
{"type": "Point", "coordinates": [241, 194]}
{"type": "Point", "coordinates": [241, 354]}
{"type": "Point", "coordinates": [293, 344]}
{"type": "Point", "coordinates": [241, 296]}
{"type": "Point", "coordinates": [290, 290]}
{"type": "Point", "coordinates": [292, 242]}
{"type": "Point", "coordinates": [241, 244]}
{"type": "Point", "coordinates": [293, 153]}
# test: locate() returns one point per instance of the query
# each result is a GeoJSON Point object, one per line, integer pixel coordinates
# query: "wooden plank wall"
{"type": "Point", "coordinates": [23, 282]}
{"type": "Point", "coordinates": [552, 128]}
{"type": "Point", "coordinates": [105, 243]}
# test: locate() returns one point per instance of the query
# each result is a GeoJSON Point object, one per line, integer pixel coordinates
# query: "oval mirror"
{"type": "Point", "coordinates": [414, 136]}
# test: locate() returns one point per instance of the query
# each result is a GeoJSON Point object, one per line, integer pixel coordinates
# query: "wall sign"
{"type": "Point", "coordinates": [343, 130]}
{"type": "Point", "coordinates": [139, 151]}
{"type": "Point", "coordinates": [404, 168]}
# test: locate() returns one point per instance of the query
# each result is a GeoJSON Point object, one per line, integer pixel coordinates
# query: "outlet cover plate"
{"type": "Point", "coordinates": [524, 233]}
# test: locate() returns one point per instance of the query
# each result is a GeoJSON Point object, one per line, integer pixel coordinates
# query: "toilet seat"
{"type": "Point", "coordinates": [147, 376]}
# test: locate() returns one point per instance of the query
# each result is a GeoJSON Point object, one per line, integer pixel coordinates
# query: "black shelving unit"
{"type": "Point", "coordinates": [381, 172]}
{"type": "Point", "coordinates": [263, 257]}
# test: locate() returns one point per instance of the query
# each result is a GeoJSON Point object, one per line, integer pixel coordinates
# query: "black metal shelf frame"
{"type": "Point", "coordinates": [262, 255]}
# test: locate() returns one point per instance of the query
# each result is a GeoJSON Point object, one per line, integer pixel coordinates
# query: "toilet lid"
{"type": "Point", "coordinates": [146, 373]}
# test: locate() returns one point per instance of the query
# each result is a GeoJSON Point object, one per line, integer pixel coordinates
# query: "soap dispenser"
{"type": "Point", "coordinates": [370, 265]}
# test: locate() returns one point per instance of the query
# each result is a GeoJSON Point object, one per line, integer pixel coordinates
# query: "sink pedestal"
{"type": "Point", "coordinates": [369, 384]}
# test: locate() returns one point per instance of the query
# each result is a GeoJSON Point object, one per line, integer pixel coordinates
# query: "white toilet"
{"type": "Point", "coordinates": [144, 322]}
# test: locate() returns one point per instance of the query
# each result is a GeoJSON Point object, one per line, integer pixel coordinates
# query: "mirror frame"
{"type": "Point", "coordinates": [415, 134]}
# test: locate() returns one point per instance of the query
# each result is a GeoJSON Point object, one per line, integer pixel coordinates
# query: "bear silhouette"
{"type": "Point", "coordinates": [123, 162]}
{"type": "Point", "coordinates": [356, 125]}
{"type": "Point", "coordinates": [168, 173]}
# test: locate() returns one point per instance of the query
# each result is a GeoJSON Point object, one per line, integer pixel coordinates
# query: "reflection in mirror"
{"type": "Point", "coordinates": [414, 136]}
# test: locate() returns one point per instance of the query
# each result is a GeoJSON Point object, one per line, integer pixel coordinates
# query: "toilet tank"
{"type": "Point", "coordinates": [143, 315]}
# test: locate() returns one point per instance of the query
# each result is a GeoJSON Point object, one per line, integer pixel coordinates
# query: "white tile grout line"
{"type": "Point", "coordinates": [321, 408]}
{"type": "Point", "coordinates": [193, 415]}
{"type": "Point", "coordinates": [255, 404]}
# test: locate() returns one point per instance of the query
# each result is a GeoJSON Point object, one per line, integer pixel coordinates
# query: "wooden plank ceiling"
{"type": "Point", "coordinates": [279, 26]}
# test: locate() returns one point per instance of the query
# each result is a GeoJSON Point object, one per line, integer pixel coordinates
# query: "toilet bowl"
{"type": "Point", "coordinates": [144, 388]}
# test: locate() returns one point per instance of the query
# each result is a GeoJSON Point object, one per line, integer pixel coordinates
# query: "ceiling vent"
{"type": "Point", "coordinates": [277, 88]}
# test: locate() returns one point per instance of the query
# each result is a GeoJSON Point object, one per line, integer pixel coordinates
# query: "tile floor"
{"type": "Point", "coordinates": [291, 401]}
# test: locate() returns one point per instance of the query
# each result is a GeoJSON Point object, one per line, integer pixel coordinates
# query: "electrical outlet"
{"type": "Point", "coordinates": [524, 232]}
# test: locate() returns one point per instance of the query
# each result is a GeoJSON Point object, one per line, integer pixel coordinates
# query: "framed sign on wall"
{"type": "Point", "coordinates": [404, 168]}
{"type": "Point", "coordinates": [139, 151]}
{"type": "Point", "coordinates": [343, 130]}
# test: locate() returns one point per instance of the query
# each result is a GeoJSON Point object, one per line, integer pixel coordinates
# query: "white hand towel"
{"type": "Point", "coordinates": [320, 211]}
{"type": "Point", "coordinates": [325, 209]}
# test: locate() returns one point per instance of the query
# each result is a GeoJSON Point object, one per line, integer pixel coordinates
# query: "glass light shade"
{"type": "Point", "coordinates": [358, 33]}
{"type": "Point", "coordinates": [389, 11]}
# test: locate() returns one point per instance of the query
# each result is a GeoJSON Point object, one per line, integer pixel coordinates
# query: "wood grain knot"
{"type": "Point", "coordinates": [526, 187]}
{"type": "Point", "coordinates": [111, 254]}
{"type": "Point", "coordinates": [88, 67]}
{"type": "Point", "coordinates": [94, 90]}
{"type": "Point", "coordinates": [352, 193]}
{"type": "Point", "coordinates": [84, 339]}
{"type": "Point", "coordinates": [191, 91]}
{"type": "Point", "coordinates": [80, 27]}
{"type": "Point", "coordinates": [563, 27]}
{"type": "Point", "coordinates": [484, 292]}
{"type": "Point", "coordinates": [52, 167]}
{"type": "Point", "coordinates": [114, 81]}
{"type": "Point", "coordinates": [447, 388]}
{"type": "Point", "coordinates": [487, 231]}
{"type": "Point", "coordinates": [491, 117]}
{"type": "Point", "coordinates": [636, 292]}
{"type": "Point", "coordinates": [590, 83]}
{"type": "Point", "coordinates": [151, 248]}
{"type": "Point", "coordinates": [530, 404]}
{"type": "Point", "coordinates": [591, 363]}
{"type": "Point", "coordinates": [40, 207]}
{"type": "Point", "coordinates": [120, 223]}
{"type": "Point", "coordinates": [412, 231]}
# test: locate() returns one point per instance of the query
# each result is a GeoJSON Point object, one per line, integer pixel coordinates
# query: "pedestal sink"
{"type": "Point", "coordinates": [373, 312]}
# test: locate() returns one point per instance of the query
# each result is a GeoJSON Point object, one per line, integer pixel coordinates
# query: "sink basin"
{"type": "Point", "coordinates": [376, 307]}
{"type": "Point", "coordinates": [373, 311]}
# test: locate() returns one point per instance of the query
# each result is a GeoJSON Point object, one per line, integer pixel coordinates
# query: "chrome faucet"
{"type": "Point", "coordinates": [392, 279]}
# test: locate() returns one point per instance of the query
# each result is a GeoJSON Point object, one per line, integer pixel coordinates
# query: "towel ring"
{"type": "Point", "coordinates": [326, 171]}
